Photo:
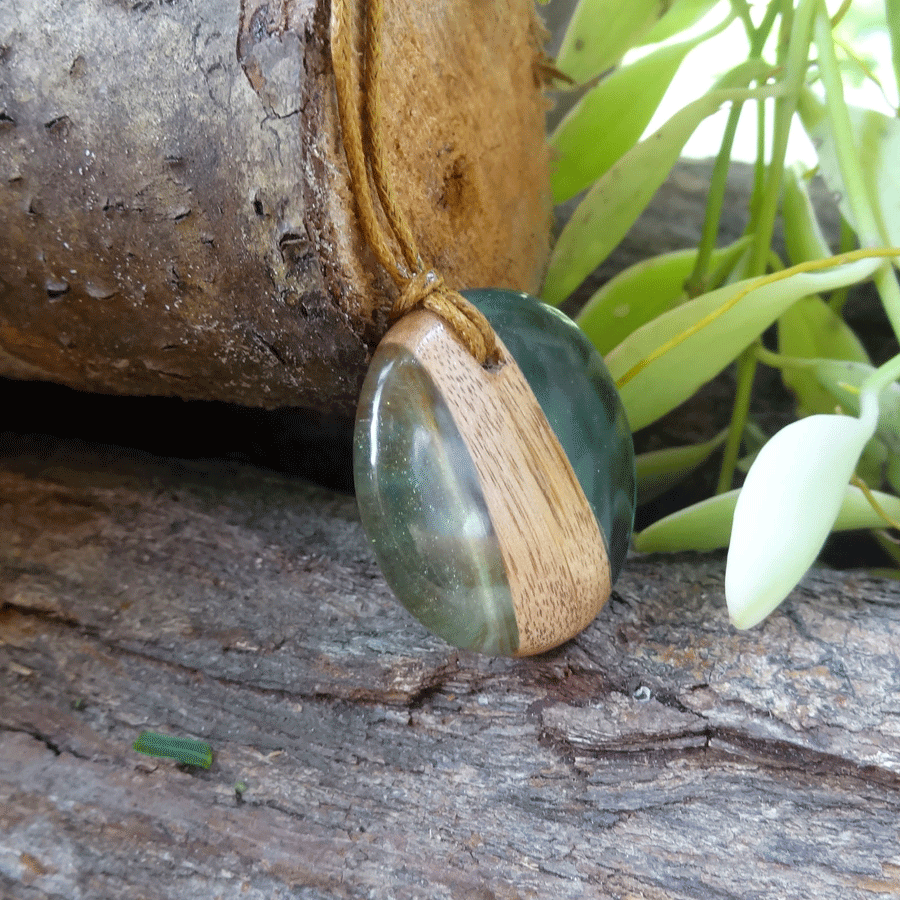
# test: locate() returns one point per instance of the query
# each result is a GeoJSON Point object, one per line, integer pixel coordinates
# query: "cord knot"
{"type": "Point", "coordinates": [415, 292]}
{"type": "Point", "coordinates": [428, 290]}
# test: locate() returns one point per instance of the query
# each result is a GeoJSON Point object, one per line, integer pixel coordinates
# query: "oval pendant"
{"type": "Point", "coordinates": [499, 501]}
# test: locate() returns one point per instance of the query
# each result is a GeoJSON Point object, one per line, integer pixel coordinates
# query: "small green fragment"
{"type": "Point", "coordinates": [185, 750]}
{"type": "Point", "coordinates": [240, 789]}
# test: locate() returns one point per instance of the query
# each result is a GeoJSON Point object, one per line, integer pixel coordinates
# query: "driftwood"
{"type": "Point", "coordinates": [175, 211]}
{"type": "Point", "coordinates": [659, 755]}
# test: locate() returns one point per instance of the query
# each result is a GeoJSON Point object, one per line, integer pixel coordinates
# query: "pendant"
{"type": "Point", "coordinates": [499, 501]}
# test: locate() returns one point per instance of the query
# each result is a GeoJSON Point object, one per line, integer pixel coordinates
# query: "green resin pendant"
{"type": "Point", "coordinates": [499, 501]}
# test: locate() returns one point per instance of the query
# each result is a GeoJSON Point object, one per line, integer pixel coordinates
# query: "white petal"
{"type": "Point", "coordinates": [787, 507]}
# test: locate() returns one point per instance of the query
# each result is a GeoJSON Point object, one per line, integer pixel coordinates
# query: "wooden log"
{"type": "Point", "coordinates": [175, 210]}
{"type": "Point", "coordinates": [660, 755]}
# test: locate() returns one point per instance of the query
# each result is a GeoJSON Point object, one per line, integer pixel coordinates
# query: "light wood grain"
{"type": "Point", "coordinates": [552, 547]}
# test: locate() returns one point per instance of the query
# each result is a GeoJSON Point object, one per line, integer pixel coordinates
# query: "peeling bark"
{"type": "Point", "coordinates": [659, 755]}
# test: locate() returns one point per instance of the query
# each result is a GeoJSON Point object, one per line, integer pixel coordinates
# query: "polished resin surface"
{"type": "Point", "coordinates": [579, 399]}
{"type": "Point", "coordinates": [418, 491]}
{"type": "Point", "coordinates": [424, 511]}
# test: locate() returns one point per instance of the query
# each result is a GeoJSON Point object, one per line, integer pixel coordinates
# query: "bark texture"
{"type": "Point", "coordinates": [659, 755]}
{"type": "Point", "coordinates": [175, 216]}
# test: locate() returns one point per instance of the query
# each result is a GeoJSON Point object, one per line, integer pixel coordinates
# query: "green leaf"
{"type": "Point", "coordinates": [811, 329]}
{"type": "Point", "coordinates": [600, 32]}
{"type": "Point", "coordinates": [644, 291]}
{"type": "Point", "coordinates": [892, 471]}
{"type": "Point", "coordinates": [703, 526]}
{"type": "Point", "coordinates": [872, 463]}
{"type": "Point", "coordinates": [613, 204]}
{"type": "Point", "coordinates": [892, 10]}
{"type": "Point", "coordinates": [610, 119]}
{"type": "Point", "coordinates": [877, 142]}
{"type": "Point", "coordinates": [185, 750]}
{"type": "Point", "coordinates": [695, 341]}
{"type": "Point", "coordinates": [707, 525]}
{"type": "Point", "coordinates": [660, 470]}
{"type": "Point", "coordinates": [843, 379]}
{"type": "Point", "coordinates": [803, 236]}
{"type": "Point", "coordinates": [682, 14]}
{"type": "Point", "coordinates": [856, 511]}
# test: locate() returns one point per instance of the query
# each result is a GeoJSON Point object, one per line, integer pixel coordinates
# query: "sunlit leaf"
{"type": "Point", "coordinates": [856, 511]}
{"type": "Point", "coordinates": [682, 14]}
{"type": "Point", "coordinates": [704, 526]}
{"type": "Point", "coordinates": [610, 118]}
{"type": "Point", "coordinates": [601, 31]}
{"type": "Point", "coordinates": [652, 386]}
{"type": "Point", "coordinates": [644, 291]}
{"type": "Point", "coordinates": [613, 204]}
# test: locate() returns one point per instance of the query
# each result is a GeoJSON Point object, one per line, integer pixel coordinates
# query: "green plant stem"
{"type": "Point", "coordinates": [845, 6]}
{"type": "Point", "coordinates": [850, 167]}
{"type": "Point", "coordinates": [842, 132]}
{"type": "Point", "coordinates": [742, 10]}
{"type": "Point", "coordinates": [759, 36]}
{"type": "Point", "coordinates": [785, 107]}
{"type": "Point", "coordinates": [882, 376]}
{"type": "Point", "coordinates": [698, 282]}
{"type": "Point", "coordinates": [780, 361]}
{"type": "Point", "coordinates": [746, 371]}
{"type": "Point", "coordinates": [759, 171]}
{"type": "Point", "coordinates": [715, 200]}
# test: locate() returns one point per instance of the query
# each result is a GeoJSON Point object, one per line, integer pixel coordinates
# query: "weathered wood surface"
{"type": "Point", "coordinates": [175, 209]}
{"type": "Point", "coordinates": [659, 755]}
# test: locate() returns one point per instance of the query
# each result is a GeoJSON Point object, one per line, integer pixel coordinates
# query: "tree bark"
{"type": "Point", "coordinates": [659, 755]}
{"type": "Point", "coordinates": [175, 211]}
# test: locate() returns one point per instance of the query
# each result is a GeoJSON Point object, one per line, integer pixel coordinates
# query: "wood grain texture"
{"type": "Point", "coordinates": [175, 214]}
{"type": "Point", "coordinates": [553, 550]}
{"type": "Point", "coordinates": [660, 755]}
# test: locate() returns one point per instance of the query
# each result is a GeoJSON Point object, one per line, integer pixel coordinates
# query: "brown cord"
{"type": "Point", "coordinates": [359, 108]}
